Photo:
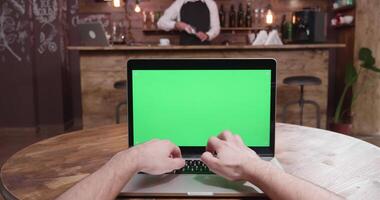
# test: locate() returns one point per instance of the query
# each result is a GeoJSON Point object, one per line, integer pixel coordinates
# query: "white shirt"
{"type": "Point", "coordinates": [172, 15]}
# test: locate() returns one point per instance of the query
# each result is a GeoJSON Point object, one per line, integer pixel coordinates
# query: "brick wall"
{"type": "Point", "coordinates": [134, 21]}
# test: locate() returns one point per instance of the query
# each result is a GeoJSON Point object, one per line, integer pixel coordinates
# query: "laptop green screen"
{"type": "Point", "coordinates": [188, 106]}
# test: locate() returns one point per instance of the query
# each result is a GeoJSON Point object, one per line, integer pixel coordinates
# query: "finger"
{"type": "Point", "coordinates": [211, 161]}
{"type": "Point", "coordinates": [205, 37]}
{"type": "Point", "coordinates": [175, 151]}
{"type": "Point", "coordinates": [152, 140]}
{"type": "Point", "coordinates": [202, 37]}
{"type": "Point", "coordinates": [177, 163]}
{"type": "Point", "coordinates": [226, 136]}
{"type": "Point", "coordinates": [239, 140]}
{"type": "Point", "coordinates": [213, 144]}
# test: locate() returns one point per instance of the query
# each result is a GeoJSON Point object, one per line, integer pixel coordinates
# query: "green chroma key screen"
{"type": "Point", "coordinates": [189, 106]}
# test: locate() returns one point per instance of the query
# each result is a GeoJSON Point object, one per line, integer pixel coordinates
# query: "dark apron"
{"type": "Point", "coordinates": [197, 15]}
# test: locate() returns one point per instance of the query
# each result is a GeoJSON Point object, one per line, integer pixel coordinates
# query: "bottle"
{"type": "Point", "coordinates": [257, 17]}
{"type": "Point", "coordinates": [248, 16]}
{"type": "Point", "coordinates": [222, 16]}
{"type": "Point", "coordinates": [232, 17]}
{"type": "Point", "coordinates": [240, 16]}
{"type": "Point", "coordinates": [289, 25]}
{"type": "Point", "coordinates": [283, 28]}
{"type": "Point", "coordinates": [262, 17]}
{"type": "Point", "coordinates": [286, 30]}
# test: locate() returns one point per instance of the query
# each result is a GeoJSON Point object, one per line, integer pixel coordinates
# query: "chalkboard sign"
{"type": "Point", "coordinates": [14, 27]}
{"type": "Point", "coordinates": [103, 18]}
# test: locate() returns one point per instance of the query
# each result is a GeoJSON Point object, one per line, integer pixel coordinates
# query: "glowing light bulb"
{"type": "Point", "coordinates": [269, 17]}
{"type": "Point", "coordinates": [137, 8]}
{"type": "Point", "coordinates": [116, 3]}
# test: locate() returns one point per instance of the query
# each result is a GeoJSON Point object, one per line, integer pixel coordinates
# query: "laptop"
{"type": "Point", "coordinates": [92, 34]}
{"type": "Point", "coordinates": [188, 100]}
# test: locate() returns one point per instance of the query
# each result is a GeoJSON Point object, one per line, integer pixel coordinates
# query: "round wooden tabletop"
{"type": "Point", "coordinates": [342, 164]}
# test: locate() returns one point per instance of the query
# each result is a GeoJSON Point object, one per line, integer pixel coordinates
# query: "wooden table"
{"type": "Point", "coordinates": [342, 164]}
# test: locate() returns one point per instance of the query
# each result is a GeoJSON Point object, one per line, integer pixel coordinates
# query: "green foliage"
{"type": "Point", "coordinates": [351, 75]}
{"type": "Point", "coordinates": [367, 62]}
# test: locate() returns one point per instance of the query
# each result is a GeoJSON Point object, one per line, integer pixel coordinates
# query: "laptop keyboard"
{"type": "Point", "coordinates": [193, 167]}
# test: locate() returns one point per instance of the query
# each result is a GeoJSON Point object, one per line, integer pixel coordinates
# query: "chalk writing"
{"type": "Point", "coordinates": [104, 19]}
{"type": "Point", "coordinates": [46, 12]}
{"type": "Point", "coordinates": [18, 5]}
{"type": "Point", "coordinates": [74, 8]}
{"type": "Point", "coordinates": [12, 27]}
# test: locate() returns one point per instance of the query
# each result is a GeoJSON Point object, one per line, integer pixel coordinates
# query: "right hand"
{"type": "Point", "coordinates": [232, 156]}
{"type": "Point", "coordinates": [158, 157]}
{"type": "Point", "coordinates": [182, 26]}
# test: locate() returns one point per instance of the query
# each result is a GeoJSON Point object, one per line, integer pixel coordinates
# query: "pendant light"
{"type": "Point", "coordinates": [137, 7]}
{"type": "Point", "coordinates": [269, 15]}
{"type": "Point", "coordinates": [116, 3]}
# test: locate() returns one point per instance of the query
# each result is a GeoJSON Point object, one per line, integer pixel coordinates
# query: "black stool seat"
{"type": "Point", "coordinates": [302, 80]}
{"type": "Point", "coordinates": [120, 84]}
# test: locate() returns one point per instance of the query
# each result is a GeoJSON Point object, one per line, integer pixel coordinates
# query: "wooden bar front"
{"type": "Point", "coordinates": [101, 67]}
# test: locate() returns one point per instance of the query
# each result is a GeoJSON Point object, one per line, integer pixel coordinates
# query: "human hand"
{"type": "Point", "coordinates": [182, 26]}
{"type": "Point", "coordinates": [232, 156]}
{"type": "Point", "coordinates": [202, 36]}
{"type": "Point", "coordinates": [158, 157]}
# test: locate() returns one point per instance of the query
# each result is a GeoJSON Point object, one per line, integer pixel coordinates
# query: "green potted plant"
{"type": "Point", "coordinates": [367, 63]}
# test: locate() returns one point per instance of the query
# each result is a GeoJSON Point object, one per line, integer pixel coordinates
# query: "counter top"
{"type": "Point", "coordinates": [208, 47]}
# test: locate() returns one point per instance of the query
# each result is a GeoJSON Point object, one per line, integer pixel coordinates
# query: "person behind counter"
{"type": "Point", "coordinates": [198, 21]}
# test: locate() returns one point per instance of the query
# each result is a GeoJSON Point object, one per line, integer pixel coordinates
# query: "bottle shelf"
{"type": "Point", "coordinates": [343, 26]}
{"type": "Point", "coordinates": [344, 8]}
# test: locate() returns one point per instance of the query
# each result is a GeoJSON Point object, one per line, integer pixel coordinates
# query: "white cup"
{"type": "Point", "coordinates": [348, 19]}
{"type": "Point", "coordinates": [251, 38]}
{"type": "Point", "coordinates": [164, 42]}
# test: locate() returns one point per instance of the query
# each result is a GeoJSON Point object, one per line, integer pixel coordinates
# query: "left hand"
{"type": "Point", "coordinates": [202, 36]}
{"type": "Point", "coordinates": [158, 157]}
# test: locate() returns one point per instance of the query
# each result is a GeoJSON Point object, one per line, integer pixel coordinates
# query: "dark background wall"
{"type": "Point", "coordinates": [35, 72]}
{"type": "Point", "coordinates": [16, 71]}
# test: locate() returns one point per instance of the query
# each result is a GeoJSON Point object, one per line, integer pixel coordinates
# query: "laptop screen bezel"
{"type": "Point", "coordinates": [204, 64]}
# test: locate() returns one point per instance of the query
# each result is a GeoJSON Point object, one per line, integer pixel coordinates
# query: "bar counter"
{"type": "Point", "coordinates": [207, 47]}
{"type": "Point", "coordinates": [100, 67]}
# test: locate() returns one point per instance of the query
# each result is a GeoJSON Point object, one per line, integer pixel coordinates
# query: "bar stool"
{"type": "Point", "coordinates": [302, 81]}
{"type": "Point", "coordinates": [120, 85]}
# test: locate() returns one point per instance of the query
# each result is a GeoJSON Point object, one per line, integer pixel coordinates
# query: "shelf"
{"type": "Point", "coordinates": [208, 47]}
{"type": "Point", "coordinates": [344, 8]}
{"type": "Point", "coordinates": [343, 26]}
{"type": "Point", "coordinates": [242, 28]}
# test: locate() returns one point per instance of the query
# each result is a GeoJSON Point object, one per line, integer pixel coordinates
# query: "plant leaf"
{"type": "Point", "coordinates": [375, 69]}
{"type": "Point", "coordinates": [369, 63]}
{"type": "Point", "coordinates": [351, 75]}
{"type": "Point", "coordinates": [364, 54]}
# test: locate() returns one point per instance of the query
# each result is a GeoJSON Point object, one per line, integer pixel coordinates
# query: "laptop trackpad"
{"type": "Point", "coordinates": [187, 185]}
{"type": "Point", "coordinates": [191, 185]}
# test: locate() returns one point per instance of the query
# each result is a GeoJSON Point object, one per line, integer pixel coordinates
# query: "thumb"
{"type": "Point", "coordinates": [177, 163]}
{"type": "Point", "coordinates": [210, 160]}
